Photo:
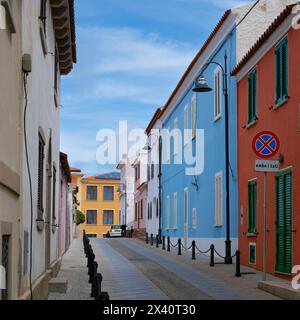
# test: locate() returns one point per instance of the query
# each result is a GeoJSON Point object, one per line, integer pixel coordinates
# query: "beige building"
{"type": "Point", "coordinates": [10, 146]}
{"type": "Point", "coordinates": [37, 47]}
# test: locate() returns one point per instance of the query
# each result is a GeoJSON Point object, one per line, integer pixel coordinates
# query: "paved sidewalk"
{"type": "Point", "coordinates": [74, 269]}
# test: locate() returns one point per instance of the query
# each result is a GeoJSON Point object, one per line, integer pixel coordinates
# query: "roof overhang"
{"type": "Point", "coordinates": [63, 15]}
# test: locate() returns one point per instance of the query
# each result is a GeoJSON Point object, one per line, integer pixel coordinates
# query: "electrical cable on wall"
{"type": "Point", "coordinates": [30, 181]}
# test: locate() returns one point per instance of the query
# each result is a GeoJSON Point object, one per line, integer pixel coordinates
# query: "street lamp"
{"type": "Point", "coordinates": [201, 86]}
{"type": "Point", "coordinates": [149, 148]}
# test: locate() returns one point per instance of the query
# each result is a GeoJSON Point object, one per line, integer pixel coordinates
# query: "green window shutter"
{"type": "Point", "coordinates": [281, 54]}
{"type": "Point", "coordinates": [252, 96]}
{"type": "Point", "coordinates": [284, 222]}
{"type": "Point", "coordinates": [252, 205]}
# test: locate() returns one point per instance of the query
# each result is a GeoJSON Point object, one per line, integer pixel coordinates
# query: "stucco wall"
{"type": "Point", "coordinates": [10, 142]}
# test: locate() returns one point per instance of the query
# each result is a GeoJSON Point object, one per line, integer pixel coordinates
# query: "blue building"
{"type": "Point", "coordinates": [194, 205]}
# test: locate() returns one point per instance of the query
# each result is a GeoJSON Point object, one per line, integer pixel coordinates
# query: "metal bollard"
{"type": "Point", "coordinates": [194, 250]}
{"type": "Point", "coordinates": [169, 247]}
{"type": "Point", "coordinates": [91, 264]}
{"type": "Point", "coordinates": [100, 296]}
{"type": "Point", "coordinates": [179, 247]}
{"type": "Point", "coordinates": [238, 264]}
{"type": "Point", "coordinates": [151, 239]}
{"type": "Point", "coordinates": [164, 243]}
{"type": "Point", "coordinates": [157, 241]}
{"type": "Point", "coordinates": [94, 269]}
{"type": "Point", "coordinates": [147, 238]}
{"type": "Point", "coordinates": [212, 255]}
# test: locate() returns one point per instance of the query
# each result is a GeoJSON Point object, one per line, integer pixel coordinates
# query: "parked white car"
{"type": "Point", "coordinates": [116, 231]}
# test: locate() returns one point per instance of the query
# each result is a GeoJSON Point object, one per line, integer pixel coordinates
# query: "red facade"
{"type": "Point", "coordinates": [283, 189]}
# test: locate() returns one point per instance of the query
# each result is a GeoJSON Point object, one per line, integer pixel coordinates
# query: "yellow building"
{"type": "Point", "coordinates": [99, 202]}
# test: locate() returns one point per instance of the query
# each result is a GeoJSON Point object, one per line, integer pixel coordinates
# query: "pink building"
{"type": "Point", "coordinates": [65, 213]}
{"type": "Point", "coordinates": [140, 195]}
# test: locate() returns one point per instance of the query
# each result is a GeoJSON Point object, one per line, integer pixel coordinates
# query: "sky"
{"type": "Point", "coordinates": [131, 55]}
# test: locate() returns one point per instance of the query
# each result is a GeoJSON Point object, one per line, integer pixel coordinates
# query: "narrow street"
{"type": "Point", "coordinates": [132, 270]}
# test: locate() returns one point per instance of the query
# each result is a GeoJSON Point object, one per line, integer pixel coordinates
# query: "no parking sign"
{"type": "Point", "coordinates": [266, 144]}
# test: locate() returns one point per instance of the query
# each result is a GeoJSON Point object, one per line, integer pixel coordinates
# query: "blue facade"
{"type": "Point", "coordinates": [174, 177]}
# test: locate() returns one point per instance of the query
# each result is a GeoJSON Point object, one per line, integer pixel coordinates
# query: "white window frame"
{"type": "Point", "coordinates": [219, 199]}
{"type": "Point", "coordinates": [194, 116]}
{"type": "Point", "coordinates": [168, 151]}
{"type": "Point", "coordinates": [218, 87]}
{"type": "Point", "coordinates": [194, 218]}
{"type": "Point", "coordinates": [168, 208]}
{"type": "Point", "coordinates": [186, 125]}
{"type": "Point", "coordinates": [175, 201]}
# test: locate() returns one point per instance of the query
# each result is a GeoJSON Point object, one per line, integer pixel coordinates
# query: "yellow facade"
{"type": "Point", "coordinates": [101, 205]}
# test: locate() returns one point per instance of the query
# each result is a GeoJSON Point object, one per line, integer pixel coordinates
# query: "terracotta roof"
{"type": "Point", "coordinates": [107, 176]}
{"type": "Point", "coordinates": [72, 169]}
{"type": "Point", "coordinates": [65, 165]}
{"type": "Point", "coordinates": [63, 15]}
{"type": "Point", "coordinates": [263, 38]}
{"type": "Point", "coordinates": [153, 120]}
{"type": "Point", "coordinates": [207, 42]}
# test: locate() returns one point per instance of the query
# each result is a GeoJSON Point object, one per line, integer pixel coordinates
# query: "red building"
{"type": "Point", "coordinates": [269, 99]}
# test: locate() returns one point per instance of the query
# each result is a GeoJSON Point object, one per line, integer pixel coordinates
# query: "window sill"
{"type": "Point", "coordinates": [252, 234]}
{"type": "Point", "coordinates": [283, 273]}
{"type": "Point", "coordinates": [251, 124]}
{"type": "Point", "coordinates": [217, 118]}
{"type": "Point", "coordinates": [217, 225]}
{"type": "Point", "coordinates": [280, 103]}
{"type": "Point", "coordinates": [10, 20]}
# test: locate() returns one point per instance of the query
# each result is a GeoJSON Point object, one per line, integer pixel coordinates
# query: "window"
{"type": "Point", "coordinates": [175, 211]}
{"type": "Point", "coordinates": [194, 218]}
{"type": "Point", "coordinates": [91, 217]}
{"type": "Point", "coordinates": [41, 178]}
{"type": "Point", "coordinates": [284, 236]}
{"type": "Point", "coordinates": [136, 212]}
{"type": "Point", "coordinates": [157, 208]}
{"type": "Point", "coordinates": [108, 193]}
{"type": "Point", "coordinates": [91, 193]}
{"type": "Point", "coordinates": [142, 211]}
{"type": "Point", "coordinates": [43, 14]}
{"type": "Point", "coordinates": [91, 235]}
{"type": "Point", "coordinates": [218, 199]}
{"type": "Point", "coordinates": [186, 125]}
{"type": "Point", "coordinates": [252, 253]}
{"type": "Point", "coordinates": [252, 206]}
{"type": "Point", "coordinates": [54, 196]}
{"type": "Point", "coordinates": [281, 53]}
{"type": "Point", "coordinates": [152, 170]}
{"type": "Point", "coordinates": [168, 213]}
{"type": "Point", "coordinates": [148, 172]}
{"type": "Point", "coordinates": [150, 210]}
{"type": "Point", "coordinates": [217, 93]}
{"type": "Point", "coordinates": [108, 217]}
{"type": "Point", "coordinates": [4, 268]}
{"type": "Point", "coordinates": [252, 96]}
{"type": "Point", "coordinates": [194, 116]}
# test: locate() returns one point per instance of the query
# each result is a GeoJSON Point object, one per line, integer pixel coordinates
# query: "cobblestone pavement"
{"type": "Point", "coordinates": [132, 270]}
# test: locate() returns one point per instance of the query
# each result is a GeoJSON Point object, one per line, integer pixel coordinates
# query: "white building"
{"type": "Point", "coordinates": [127, 192]}
{"type": "Point", "coordinates": [153, 202]}
{"type": "Point", "coordinates": [48, 40]}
